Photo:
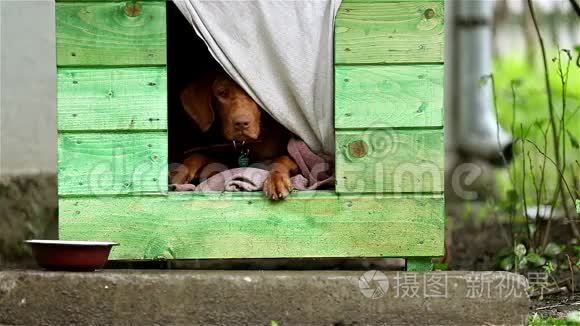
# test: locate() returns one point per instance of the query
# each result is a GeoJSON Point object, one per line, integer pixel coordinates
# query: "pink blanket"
{"type": "Point", "coordinates": [315, 171]}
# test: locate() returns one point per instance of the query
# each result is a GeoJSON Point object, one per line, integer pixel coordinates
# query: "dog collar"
{"type": "Point", "coordinates": [244, 154]}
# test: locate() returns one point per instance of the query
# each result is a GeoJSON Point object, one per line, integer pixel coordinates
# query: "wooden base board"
{"type": "Point", "coordinates": [246, 225]}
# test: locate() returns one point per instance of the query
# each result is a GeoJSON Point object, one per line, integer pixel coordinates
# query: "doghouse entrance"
{"type": "Point", "coordinates": [189, 62]}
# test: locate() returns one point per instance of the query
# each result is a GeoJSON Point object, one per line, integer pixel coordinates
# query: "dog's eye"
{"type": "Point", "coordinates": [222, 92]}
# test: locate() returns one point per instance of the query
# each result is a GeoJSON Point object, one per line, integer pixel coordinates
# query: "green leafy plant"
{"type": "Point", "coordinates": [542, 174]}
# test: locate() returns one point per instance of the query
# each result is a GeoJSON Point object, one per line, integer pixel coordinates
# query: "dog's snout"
{"type": "Point", "coordinates": [242, 122]}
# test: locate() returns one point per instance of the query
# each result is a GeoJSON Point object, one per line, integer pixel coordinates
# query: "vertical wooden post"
{"type": "Point", "coordinates": [418, 264]}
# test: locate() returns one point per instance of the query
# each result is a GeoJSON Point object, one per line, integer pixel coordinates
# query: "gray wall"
{"type": "Point", "coordinates": [27, 86]}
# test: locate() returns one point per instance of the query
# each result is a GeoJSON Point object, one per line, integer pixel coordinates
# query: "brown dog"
{"type": "Point", "coordinates": [249, 136]}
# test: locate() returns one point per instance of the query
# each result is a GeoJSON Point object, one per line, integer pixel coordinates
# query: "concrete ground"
{"type": "Point", "coordinates": [258, 298]}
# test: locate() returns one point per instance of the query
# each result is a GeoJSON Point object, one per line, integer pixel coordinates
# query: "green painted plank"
{"type": "Point", "coordinates": [389, 161]}
{"type": "Point", "coordinates": [246, 225]}
{"type": "Point", "coordinates": [389, 96]}
{"type": "Point", "coordinates": [104, 34]}
{"type": "Point", "coordinates": [112, 163]}
{"type": "Point", "coordinates": [356, 1]}
{"type": "Point", "coordinates": [116, 0]}
{"type": "Point", "coordinates": [112, 98]}
{"type": "Point", "coordinates": [390, 32]}
{"type": "Point", "coordinates": [419, 264]}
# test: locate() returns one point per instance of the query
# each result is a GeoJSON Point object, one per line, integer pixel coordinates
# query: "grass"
{"type": "Point", "coordinates": [531, 116]}
{"type": "Point", "coordinates": [549, 322]}
{"type": "Point", "coordinates": [536, 320]}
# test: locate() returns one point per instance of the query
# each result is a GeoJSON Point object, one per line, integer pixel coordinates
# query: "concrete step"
{"type": "Point", "coordinates": [132, 297]}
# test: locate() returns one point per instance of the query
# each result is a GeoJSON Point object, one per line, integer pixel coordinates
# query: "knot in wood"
{"type": "Point", "coordinates": [358, 148]}
{"type": "Point", "coordinates": [132, 8]}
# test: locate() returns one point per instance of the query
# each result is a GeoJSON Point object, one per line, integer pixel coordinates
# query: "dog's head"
{"type": "Point", "coordinates": [221, 96]}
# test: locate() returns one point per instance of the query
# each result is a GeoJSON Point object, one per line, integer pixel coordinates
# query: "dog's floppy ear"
{"type": "Point", "coordinates": [196, 100]}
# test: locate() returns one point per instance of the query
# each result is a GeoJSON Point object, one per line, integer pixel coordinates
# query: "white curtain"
{"type": "Point", "coordinates": [280, 52]}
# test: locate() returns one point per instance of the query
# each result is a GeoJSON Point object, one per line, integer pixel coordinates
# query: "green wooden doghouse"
{"type": "Point", "coordinates": [112, 143]}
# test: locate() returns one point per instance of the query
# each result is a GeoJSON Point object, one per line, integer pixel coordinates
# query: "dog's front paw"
{"type": "Point", "coordinates": [181, 187]}
{"type": "Point", "coordinates": [179, 175]}
{"type": "Point", "coordinates": [277, 185]}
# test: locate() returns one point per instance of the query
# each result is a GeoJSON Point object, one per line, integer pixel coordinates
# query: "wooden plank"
{"type": "Point", "coordinates": [113, 0]}
{"type": "Point", "coordinates": [347, 1]}
{"type": "Point", "coordinates": [389, 161]}
{"type": "Point", "coordinates": [390, 32]}
{"type": "Point", "coordinates": [112, 163]}
{"type": "Point", "coordinates": [112, 98]}
{"type": "Point", "coordinates": [105, 34]}
{"type": "Point", "coordinates": [246, 225]}
{"type": "Point", "coordinates": [389, 96]}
